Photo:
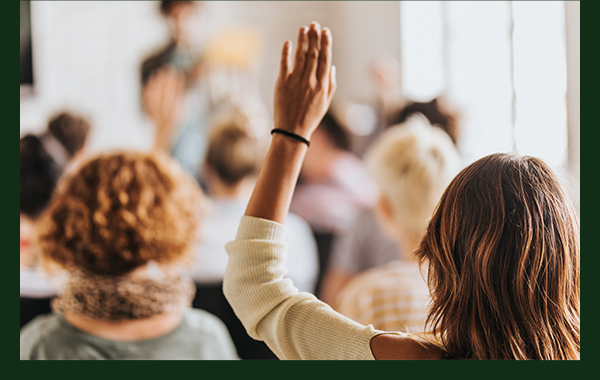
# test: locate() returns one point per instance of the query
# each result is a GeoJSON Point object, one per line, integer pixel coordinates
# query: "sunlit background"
{"type": "Point", "coordinates": [510, 69]}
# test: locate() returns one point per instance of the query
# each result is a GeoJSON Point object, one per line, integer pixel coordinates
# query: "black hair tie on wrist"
{"type": "Point", "coordinates": [292, 135]}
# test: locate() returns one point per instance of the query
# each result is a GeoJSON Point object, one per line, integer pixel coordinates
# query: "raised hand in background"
{"type": "Point", "coordinates": [163, 97]}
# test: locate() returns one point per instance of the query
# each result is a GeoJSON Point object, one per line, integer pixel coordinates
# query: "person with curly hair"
{"type": "Point", "coordinates": [122, 226]}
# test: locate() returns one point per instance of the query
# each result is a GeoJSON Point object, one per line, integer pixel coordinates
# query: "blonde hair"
{"type": "Point", "coordinates": [412, 163]}
{"type": "Point", "coordinates": [120, 211]}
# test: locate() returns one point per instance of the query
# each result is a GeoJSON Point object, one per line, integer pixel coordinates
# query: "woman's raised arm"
{"type": "Point", "coordinates": [295, 325]}
{"type": "Point", "coordinates": [303, 93]}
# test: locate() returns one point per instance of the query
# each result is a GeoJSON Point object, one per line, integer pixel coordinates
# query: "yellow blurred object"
{"type": "Point", "coordinates": [234, 47]}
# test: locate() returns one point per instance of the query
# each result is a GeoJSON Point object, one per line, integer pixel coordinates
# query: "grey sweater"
{"type": "Point", "coordinates": [200, 336]}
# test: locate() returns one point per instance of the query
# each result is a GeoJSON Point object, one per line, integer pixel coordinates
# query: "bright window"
{"type": "Point", "coordinates": [476, 54]}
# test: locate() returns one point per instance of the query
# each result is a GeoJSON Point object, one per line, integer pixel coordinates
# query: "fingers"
{"type": "Point", "coordinates": [325, 54]}
{"type": "Point", "coordinates": [312, 52]}
{"type": "Point", "coordinates": [284, 70]}
{"type": "Point", "coordinates": [163, 94]}
{"type": "Point", "coordinates": [151, 93]}
{"type": "Point", "coordinates": [301, 48]}
{"type": "Point", "coordinates": [332, 83]}
{"type": "Point", "coordinates": [172, 87]}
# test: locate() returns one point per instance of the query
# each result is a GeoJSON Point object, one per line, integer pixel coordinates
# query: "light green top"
{"type": "Point", "coordinates": [200, 336]}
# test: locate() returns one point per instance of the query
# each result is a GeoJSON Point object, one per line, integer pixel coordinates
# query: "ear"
{"type": "Point", "coordinates": [384, 208]}
{"type": "Point", "coordinates": [385, 218]}
{"type": "Point", "coordinates": [207, 173]}
{"type": "Point", "coordinates": [206, 168]}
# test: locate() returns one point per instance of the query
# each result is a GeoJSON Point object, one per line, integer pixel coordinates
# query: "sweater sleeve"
{"type": "Point", "coordinates": [294, 325]}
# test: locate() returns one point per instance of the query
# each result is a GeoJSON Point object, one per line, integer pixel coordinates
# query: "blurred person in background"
{"type": "Point", "coordinates": [395, 108]}
{"type": "Point", "coordinates": [235, 152]}
{"type": "Point", "coordinates": [122, 226]}
{"type": "Point", "coordinates": [333, 187]}
{"type": "Point", "coordinates": [183, 48]}
{"type": "Point", "coordinates": [43, 160]}
{"type": "Point", "coordinates": [39, 175]}
{"type": "Point", "coordinates": [198, 76]}
{"type": "Point", "coordinates": [364, 245]}
{"type": "Point", "coordinates": [180, 63]}
{"type": "Point", "coordinates": [412, 164]}
{"type": "Point", "coordinates": [65, 139]}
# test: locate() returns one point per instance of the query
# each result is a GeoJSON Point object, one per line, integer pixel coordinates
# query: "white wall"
{"type": "Point", "coordinates": [87, 54]}
{"type": "Point", "coordinates": [573, 84]}
{"type": "Point", "coordinates": [86, 57]}
{"type": "Point", "coordinates": [362, 31]}
{"type": "Point", "coordinates": [572, 26]}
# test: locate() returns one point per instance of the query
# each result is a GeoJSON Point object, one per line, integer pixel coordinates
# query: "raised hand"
{"type": "Point", "coordinates": [303, 92]}
{"type": "Point", "coordinates": [163, 101]}
{"type": "Point", "coordinates": [302, 95]}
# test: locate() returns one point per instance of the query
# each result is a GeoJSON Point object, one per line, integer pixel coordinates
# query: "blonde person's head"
{"type": "Point", "coordinates": [119, 211]}
{"type": "Point", "coordinates": [412, 163]}
{"type": "Point", "coordinates": [236, 148]}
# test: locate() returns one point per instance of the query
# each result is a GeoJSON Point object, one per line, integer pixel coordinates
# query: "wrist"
{"type": "Point", "coordinates": [291, 135]}
{"type": "Point", "coordinates": [297, 128]}
{"type": "Point", "coordinates": [287, 145]}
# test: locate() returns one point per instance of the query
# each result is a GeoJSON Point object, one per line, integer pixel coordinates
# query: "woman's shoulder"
{"type": "Point", "coordinates": [404, 347]}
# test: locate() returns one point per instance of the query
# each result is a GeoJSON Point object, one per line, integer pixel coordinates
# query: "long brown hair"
{"type": "Point", "coordinates": [502, 250]}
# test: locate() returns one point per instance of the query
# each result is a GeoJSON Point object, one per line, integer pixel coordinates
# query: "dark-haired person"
{"type": "Point", "coordinates": [71, 133]}
{"type": "Point", "coordinates": [502, 250]}
{"type": "Point", "coordinates": [122, 227]}
{"type": "Point", "coordinates": [39, 174]}
{"type": "Point", "coordinates": [333, 187]}
{"type": "Point", "coordinates": [43, 159]}
{"type": "Point", "coordinates": [179, 51]}
{"type": "Point", "coordinates": [396, 108]}
{"type": "Point", "coordinates": [235, 151]}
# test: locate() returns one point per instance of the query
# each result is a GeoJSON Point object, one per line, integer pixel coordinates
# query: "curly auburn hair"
{"type": "Point", "coordinates": [119, 211]}
{"type": "Point", "coordinates": [502, 250]}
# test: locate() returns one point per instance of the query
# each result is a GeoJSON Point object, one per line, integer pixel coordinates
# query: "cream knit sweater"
{"type": "Point", "coordinates": [294, 325]}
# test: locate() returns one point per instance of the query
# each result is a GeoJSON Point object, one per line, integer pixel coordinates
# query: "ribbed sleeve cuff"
{"type": "Point", "coordinates": [260, 229]}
